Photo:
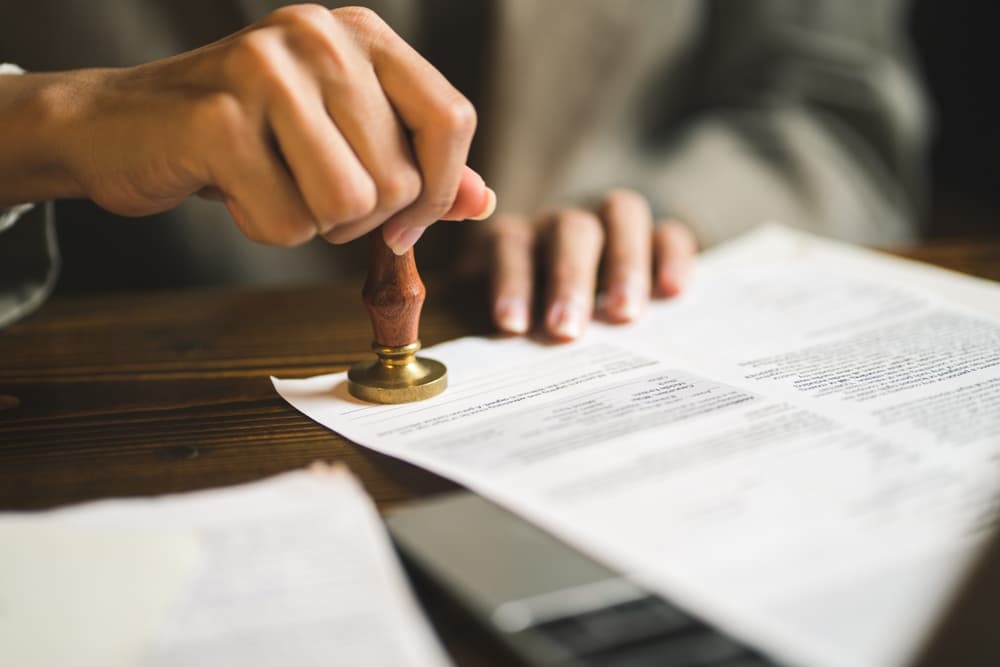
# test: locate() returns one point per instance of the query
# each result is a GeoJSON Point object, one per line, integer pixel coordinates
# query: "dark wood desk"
{"type": "Point", "coordinates": [149, 393]}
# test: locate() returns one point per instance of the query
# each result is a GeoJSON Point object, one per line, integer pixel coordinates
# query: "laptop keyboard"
{"type": "Point", "coordinates": [647, 632]}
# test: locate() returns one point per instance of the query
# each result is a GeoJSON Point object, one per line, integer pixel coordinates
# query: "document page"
{"type": "Point", "coordinates": [85, 597]}
{"type": "Point", "coordinates": [294, 570]}
{"type": "Point", "coordinates": [804, 448]}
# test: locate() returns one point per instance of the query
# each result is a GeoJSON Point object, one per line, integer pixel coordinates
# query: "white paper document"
{"type": "Point", "coordinates": [86, 596]}
{"type": "Point", "coordinates": [294, 570]}
{"type": "Point", "coordinates": [804, 448]}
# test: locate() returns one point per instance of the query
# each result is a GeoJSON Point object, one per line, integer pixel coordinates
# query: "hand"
{"type": "Point", "coordinates": [309, 122]}
{"type": "Point", "coordinates": [639, 259]}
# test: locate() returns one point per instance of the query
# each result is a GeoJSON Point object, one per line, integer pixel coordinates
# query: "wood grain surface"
{"type": "Point", "coordinates": [137, 394]}
{"type": "Point", "coordinates": [147, 393]}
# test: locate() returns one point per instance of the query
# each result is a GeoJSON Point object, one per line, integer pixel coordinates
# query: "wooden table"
{"type": "Point", "coordinates": [148, 393]}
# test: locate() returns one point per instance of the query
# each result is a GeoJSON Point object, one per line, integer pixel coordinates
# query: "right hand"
{"type": "Point", "coordinates": [309, 122]}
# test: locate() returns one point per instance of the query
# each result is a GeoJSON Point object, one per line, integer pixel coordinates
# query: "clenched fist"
{"type": "Point", "coordinates": [309, 122]}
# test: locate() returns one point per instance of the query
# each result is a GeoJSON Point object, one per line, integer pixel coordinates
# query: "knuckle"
{"type": "Point", "coordinates": [574, 244]}
{"type": "Point", "coordinates": [400, 189]}
{"type": "Point", "coordinates": [513, 233]}
{"type": "Point", "coordinates": [578, 222]}
{"type": "Point", "coordinates": [218, 109]}
{"type": "Point", "coordinates": [253, 57]}
{"type": "Point", "coordinates": [352, 200]}
{"type": "Point", "coordinates": [564, 274]}
{"type": "Point", "coordinates": [252, 49]}
{"type": "Point", "coordinates": [312, 33]}
{"type": "Point", "coordinates": [458, 116]}
{"type": "Point", "coordinates": [677, 234]}
{"type": "Point", "coordinates": [437, 204]}
{"type": "Point", "coordinates": [360, 19]}
{"type": "Point", "coordinates": [222, 117]}
{"type": "Point", "coordinates": [622, 200]}
{"type": "Point", "coordinates": [303, 15]}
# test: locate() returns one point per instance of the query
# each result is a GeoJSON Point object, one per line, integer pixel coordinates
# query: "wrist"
{"type": "Point", "coordinates": [37, 126]}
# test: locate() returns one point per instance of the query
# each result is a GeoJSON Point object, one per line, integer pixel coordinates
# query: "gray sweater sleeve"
{"type": "Point", "coordinates": [806, 113]}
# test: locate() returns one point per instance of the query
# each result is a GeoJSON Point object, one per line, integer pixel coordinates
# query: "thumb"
{"type": "Point", "coordinates": [474, 201]}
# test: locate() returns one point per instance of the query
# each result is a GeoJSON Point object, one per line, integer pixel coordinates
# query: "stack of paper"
{"type": "Point", "coordinates": [805, 448]}
{"type": "Point", "coordinates": [295, 570]}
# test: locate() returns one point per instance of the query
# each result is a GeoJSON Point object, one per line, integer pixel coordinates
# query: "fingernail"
{"type": "Point", "coordinates": [672, 281]}
{"type": "Point", "coordinates": [512, 314]}
{"type": "Point", "coordinates": [566, 319]}
{"type": "Point", "coordinates": [406, 240]}
{"type": "Point", "coordinates": [624, 302]}
{"type": "Point", "coordinates": [489, 208]}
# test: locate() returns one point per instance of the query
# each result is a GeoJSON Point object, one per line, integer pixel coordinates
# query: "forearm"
{"type": "Point", "coordinates": [36, 112]}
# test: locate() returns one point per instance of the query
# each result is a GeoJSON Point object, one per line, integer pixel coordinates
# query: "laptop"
{"type": "Point", "coordinates": [550, 604]}
{"type": "Point", "coordinates": [547, 602]}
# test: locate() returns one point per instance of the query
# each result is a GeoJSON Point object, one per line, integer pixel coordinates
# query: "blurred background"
{"type": "Point", "coordinates": [958, 51]}
{"type": "Point", "coordinates": [954, 43]}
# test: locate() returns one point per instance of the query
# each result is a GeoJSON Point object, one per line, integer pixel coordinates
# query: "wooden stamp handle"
{"type": "Point", "coordinates": [393, 294]}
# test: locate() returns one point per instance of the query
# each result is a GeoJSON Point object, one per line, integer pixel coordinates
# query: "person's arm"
{"type": "Point", "coordinates": [308, 122]}
{"type": "Point", "coordinates": [31, 167]}
{"type": "Point", "coordinates": [29, 258]}
{"type": "Point", "coordinates": [9, 214]}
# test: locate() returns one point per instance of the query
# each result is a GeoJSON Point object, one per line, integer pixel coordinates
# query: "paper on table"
{"type": "Point", "coordinates": [805, 448]}
{"type": "Point", "coordinates": [84, 597]}
{"type": "Point", "coordinates": [293, 570]}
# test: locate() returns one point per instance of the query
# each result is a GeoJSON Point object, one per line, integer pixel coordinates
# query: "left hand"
{"type": "Point", "coordinates": [617, 245]}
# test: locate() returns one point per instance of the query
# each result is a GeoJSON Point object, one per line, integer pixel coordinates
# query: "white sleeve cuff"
{"type": "Point", "coordinates": [9, 216]}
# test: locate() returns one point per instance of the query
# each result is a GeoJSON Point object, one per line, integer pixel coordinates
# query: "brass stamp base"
{"type": "Point", "coordinates": [397, 375]}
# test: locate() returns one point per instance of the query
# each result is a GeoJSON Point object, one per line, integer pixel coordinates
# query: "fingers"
{"type": "Point", "coordinates": [256, 187]}
{"type": "Point", "coordinates": [628, 255]}
{"type": "Point", "coordinates": [363, 128]}
{"type": "Point", "coordinates": [336, 180]}
{"type": "Point", "coordinates": [512, 261]}
{"type": "Point", "coordinates": [575, 240]}
{"type": "Point", "coordinates": [638, 259]}
{"type": "Point", "coordinates": [441, 123]}
{"type": "Point", "coordinates": [363, 114]}
{"type": "Point", "coordinates": [474, 201]}
{"type": "Point", "coordinates": [266, 205]}
{"type": "Point", "coordinates": [417, 168]}
{"type": "Point", "coordinates": [675, 247]}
